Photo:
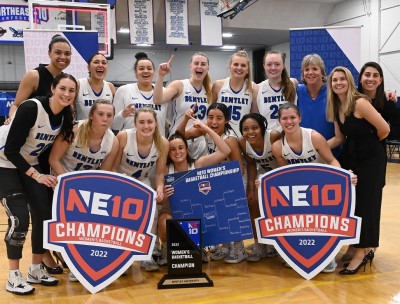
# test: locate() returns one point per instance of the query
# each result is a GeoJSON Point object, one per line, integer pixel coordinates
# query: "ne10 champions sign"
{"type": "Point", "coordinates": [101, 223]}
{"type": "Point", "coordinates": [307, 213]}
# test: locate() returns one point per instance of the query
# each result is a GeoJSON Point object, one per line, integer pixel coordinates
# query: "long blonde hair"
{"type": "Point", "coordinates": [85, 129]}
{"type": "Point", "coordinates": [333, 103]}
{"type": "Point", "coordinates": [248, 79]}
{"type": "Point", "coordinates": [207, 79]}
{"type": "Point", "coordinates": [157, 134]}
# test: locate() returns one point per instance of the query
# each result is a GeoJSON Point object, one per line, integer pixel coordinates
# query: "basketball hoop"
{"type": "Point", "coordinates": [230, 8]}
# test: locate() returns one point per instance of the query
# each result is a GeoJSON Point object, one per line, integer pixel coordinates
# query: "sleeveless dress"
{"type": "Point", "coordinates": [363, 154]}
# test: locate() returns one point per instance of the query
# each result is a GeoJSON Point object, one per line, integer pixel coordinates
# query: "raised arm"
{"type": "Point", "coordinates": [174, 89]}
{"type": "Point", "coordinates": [193, 132]}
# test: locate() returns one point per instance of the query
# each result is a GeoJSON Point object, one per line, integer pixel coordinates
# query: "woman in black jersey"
{"type": "Point", "coordinates": [34, 127]}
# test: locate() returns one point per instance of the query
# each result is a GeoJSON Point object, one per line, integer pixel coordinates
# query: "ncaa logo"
{"type": "Point", "coordinates": [101, 223]}
{"type": "Point", "coordinates": [307, 213]}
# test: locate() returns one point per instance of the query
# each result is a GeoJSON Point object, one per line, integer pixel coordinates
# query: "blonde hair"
{"type": "Point", "coordinates": [247, 78]}
{"type": "Point", "coordinates": [316, 60]}
{"type": "Point", "coordinates": [157, 134]}
{"type": "Point", "coordinates": [288, 89]}
{"type": "Point", "coordinates": [333, 102]}
{"type": "Point", "coordinates": [85, 129]}
{"type": "Point", "coordinates": [207, 80]}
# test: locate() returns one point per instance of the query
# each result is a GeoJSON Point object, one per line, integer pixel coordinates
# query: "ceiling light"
{"type": "Point", "coordinates": [228, 47]}
{"type": "Point", "coordinates": [124, 30]}
{"type": "Point", "coordinates": [143, 44]}
{"type": "Point", "coordinates": [227, 35]}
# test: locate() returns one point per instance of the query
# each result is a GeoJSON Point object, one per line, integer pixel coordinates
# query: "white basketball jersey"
{"type": "Point", "coordinates": [269, 101]}
{"type": "Point", "coordinates": [266, 160]}
{"type": "Point", "coordinates": [86, 97]}
{"type": "Point", "coordinates": [211, 146]}
{"type": "Point", "coordinates": [130, 93]}
{"type": "Point", "coordinates": [40, 137]}
{"type": "Point", "coordinates": [133, 164]}
{"type": "Point", "coordinates": [308, 153]}
{"type": "Point", "coordinates": [238, 103]}
{"type": "Point", "coordinates": [78, 158]}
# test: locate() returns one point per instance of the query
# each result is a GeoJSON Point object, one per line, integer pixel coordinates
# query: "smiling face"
{"type": "Point", "coordinates": [199, 67]}
{"type": "Point", "coordinates": [370, 80]}
{"type": "Point", "coordinates": [98, 67]}
{"type": "Point", "coordinates": [102, 116]}
{"type": "Point", "coordinates": [289, 119]}
{"type": "Point", "coordinates": [177, 151]}
{"type": "Point", "coordinates": [145, 124]}
{"type": "Point", "coordinates": [60, 55]}
{"type": "Point", "coordinates": [273, 66]}
{"type": "Point", "coordinates": [64, 92]}
{"type": "Point", "coordinates": [239, 67]}
{"type": "Point", "coordinates": [312, 74]}
{"type": "Point", "coordinates": [251, 131]}
{"type": "Point", "coordinates": [144, 71]}
{"type": "Point", "coordinates": [339, 83]}
{"type": "Point", "coordinates": [216, 121]}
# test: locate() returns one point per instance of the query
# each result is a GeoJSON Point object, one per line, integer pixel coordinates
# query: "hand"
{"type": "Point", "coordinates": [159, 196]}
{"type": "Point", "coordinates": [168, 190]}
{"type": "Point", "coordinates": [165, 67]}
{"type": "Point", "coordinates": [190, 112]}
{"type": "Point", "coordinates": [354, 178]}
{"type": "Point", "coordinates": [391, 95]}
{"type": "Point", "coordinates": [47, 180]}
{"type": "Point", "coordinates": [129, 110]}
{"type": "Point", "coordinates": [197, 123]}
{"type": "Point", "coordinates": [7, 121]}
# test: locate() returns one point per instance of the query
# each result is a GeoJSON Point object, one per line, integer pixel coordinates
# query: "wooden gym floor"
{"type": "Point", "coordinates": [265, 282]}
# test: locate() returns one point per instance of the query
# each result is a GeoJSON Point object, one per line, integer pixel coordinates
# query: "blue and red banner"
{"type": "Point", "coordinates": [307, 213]}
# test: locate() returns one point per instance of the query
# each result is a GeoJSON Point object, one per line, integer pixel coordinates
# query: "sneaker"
{"type": "Point", "coordinates": [149, 265]}
{"type": "Point", "coordinates": [237, 254]}
{"type": "Point", "coordinates": [331, 267]}
{"type": "Point", "coordinates": [72, 277]}
{"type": "Point", "coordinates": [211, 248]}
{"type": "Point", "coordinates": [37, 274]}
{"type": "Point", "coordinates": [259, 252]}
{"type": "Point", "coordinates": [271, 251]}
{"type": "Point", "coordinates": [156, 249]}
{"type": "Point", "coordinates": [221, 253]}
{"type": "Point", "coordinates": [204, 256]}
{"type": "Point", "coordinates": [162, 259]}
{"type": "Point", "coordinates": [16, 284]}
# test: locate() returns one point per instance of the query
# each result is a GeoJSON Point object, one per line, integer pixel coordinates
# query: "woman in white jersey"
{"type": "Point", "coordinates": [93, 87]}
{"type": "Point", "coordinates": [218, 121]}
{"type": "Point", "coordinates": [140, 149]}
{"type": "Point", "coordinates": [184, 94]}
{"type": "Point", "coordinates": [277, 90]}
{"type": "Point", "coordinates": [301, 145]}
{"type": "Point", "coordinates": [256, 146]}
{"type": "Point", "coordinates": [33, 129]}
{"type": "Point", "coordinates": [236, 91]}
{"type": "Point", "coordinates": [179, 160]}
{"type": "Point", "coordinates": [133, 96]}
{"type": "Point", "coordinates": [94, 147]}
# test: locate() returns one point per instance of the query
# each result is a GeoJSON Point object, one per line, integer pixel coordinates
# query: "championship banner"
{"type": "Point", "coordinates": [307, 213]}
{"type": "Point", "coordinates": [177, 25]}
{"type": "Point", "coordinates": [83, 45]}
{"type": "Point", "coordinates": [141, 21]}
{"type": "Point", "coordinates": [216, 195]}
{"type": "Point", "coordinates": [210, 23]}
{"type": "Point", "coordinates": [14, 19]}
{"type": "Point", "coordinates": [101, 223]}
{"type": "Point", "coordinates": [336, 46]}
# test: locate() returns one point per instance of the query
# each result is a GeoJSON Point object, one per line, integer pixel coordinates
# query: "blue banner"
{"type": "Point", "coordinates": [6, 101]}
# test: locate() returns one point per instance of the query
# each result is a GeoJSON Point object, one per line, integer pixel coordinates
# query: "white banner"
{"type": "Point", "coordinates": [211, 25]}
{"type": "Point", "coordinates": [14, 18]}
{"type": "Point", "coordinates": [141, 21]}
{"type": "Point", "coordinates": [176, 19]}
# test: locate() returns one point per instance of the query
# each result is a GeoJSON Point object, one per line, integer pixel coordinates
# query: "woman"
{"type": "Point", "coordinates": [94, 146]}
{"type": "Point", "coordinates": [133, 96]}
{"type": "Point", "coordinates": [301, 145]}
{"type": "Point", "coordinates": [276, 90]}
{"type": "Point", "coordinates": [140, 149]}
{"type": "Point", "coordinates": [236, 91]}
{"type": "Point", "coordinates": [185, 94]}
{"type": "Point", "coordinates": [361, 128]}
{"type": "Point", "coordinates": [256, 146]}
{"type": "Point", "coordinates": [34, 127]}
{"type": "Point", "coordinates": [179, 160]}
{"type": "Point", "coordinates": [93, 87]}
{"type": "Point", "coordinates": [218, 121]}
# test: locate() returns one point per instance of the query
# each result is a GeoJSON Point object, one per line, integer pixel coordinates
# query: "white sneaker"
{"type": "Point", "coordinates": [162, 259]}
{"type": "Point", "coordinates": [221, 253]}
{"type": "Point", "coordinates": [16, 284]}
{"type": "Point", "coordinates": [237, 254]}
{"type": "Point", "coordinates": [259, 252]}
{"type": "Point", "coordinates": [331, 267]}
{"type": "Point", "coordinates": [204, 255]}
{"type": "Point", "coordinates": [149, 265]}
{"type": "Point", "coordinates": [37, 274]}
{"type": "Point", "coordinates": [72, 277]}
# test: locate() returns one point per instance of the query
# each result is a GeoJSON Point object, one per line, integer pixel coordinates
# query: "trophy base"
{"type": "Point", "coordinates": [182, 281]}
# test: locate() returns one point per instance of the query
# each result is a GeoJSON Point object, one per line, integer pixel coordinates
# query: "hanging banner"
{"type": "Point", "coordinates": [336, 46]}
{"type": "Point", "coordinates": [177, 25]}
{"type": "Point", "coordinates": [210, 23]}
{"type": "Point", "coordinates": [141, 21]}
{"type": "Point", "coordinates": [14, 18]}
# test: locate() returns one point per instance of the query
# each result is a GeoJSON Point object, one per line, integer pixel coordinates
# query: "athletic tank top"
{"type": "Point", "coordinates": [266, 160]}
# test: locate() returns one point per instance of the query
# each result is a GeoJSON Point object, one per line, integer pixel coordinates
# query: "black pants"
{"type": "Point", "coordinates": [12, 181]}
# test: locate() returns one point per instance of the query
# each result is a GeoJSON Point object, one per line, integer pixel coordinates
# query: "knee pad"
{"type": "Point", "coordinates": [14, 238]}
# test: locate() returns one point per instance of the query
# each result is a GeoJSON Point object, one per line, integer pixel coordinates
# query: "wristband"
{"type": "Point", "coordinates": [38, 177]}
